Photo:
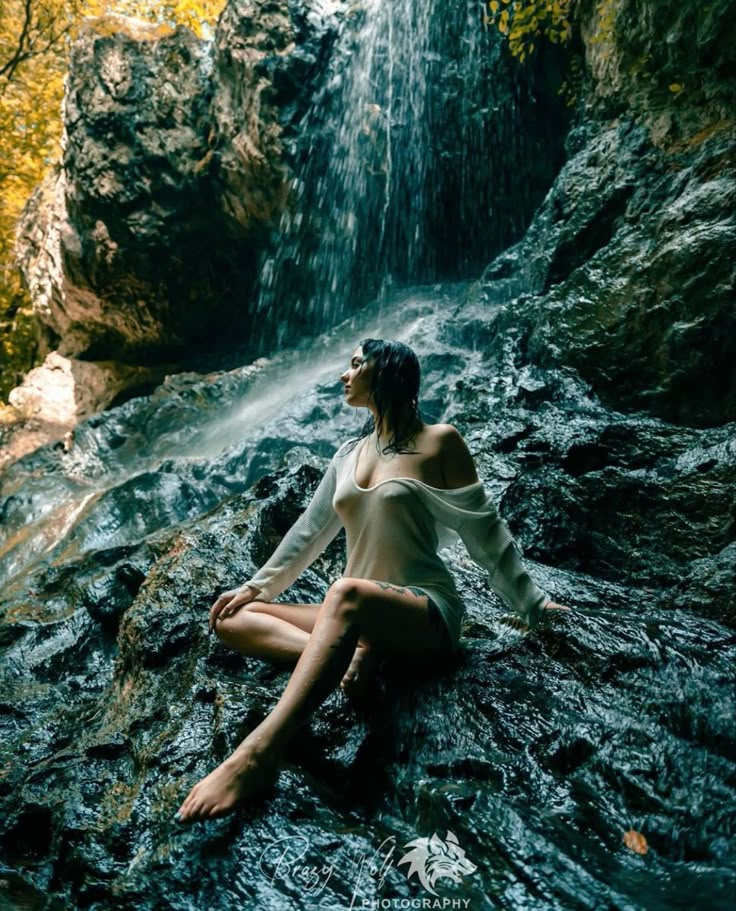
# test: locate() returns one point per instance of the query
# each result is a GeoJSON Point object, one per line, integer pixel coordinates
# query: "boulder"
{"type": "Point", "coordinates": [145, 243]}
{"type": "Point", "coordinates": [626, 272]}
{"type": "Point", "coordinates": [66, 391]}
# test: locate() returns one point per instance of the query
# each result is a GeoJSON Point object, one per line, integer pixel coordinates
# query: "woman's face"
{"type": "Point", "coordinates": [357, 379]}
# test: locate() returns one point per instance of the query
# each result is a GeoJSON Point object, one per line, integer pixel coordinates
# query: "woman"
{"type": "Point", "coordinates": [402, 490]}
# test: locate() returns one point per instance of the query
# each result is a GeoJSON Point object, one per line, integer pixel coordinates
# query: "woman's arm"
{"type": "Point", "coordinates": [300, 546]}
{"type": "Point", "coordinates": [487, 537]}
{"type": "Point", "coordinates": [303, 542]}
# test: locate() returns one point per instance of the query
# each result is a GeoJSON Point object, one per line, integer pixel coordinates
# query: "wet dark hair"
{"type": "Point", "coordinates": [395, 390]}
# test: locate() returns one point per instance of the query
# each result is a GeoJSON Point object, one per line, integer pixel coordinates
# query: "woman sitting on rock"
{"type": "Point", "coordinates": [402, 490]}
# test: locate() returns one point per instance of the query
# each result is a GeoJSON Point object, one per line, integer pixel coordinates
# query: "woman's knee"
{"type": "Point", "coordinates": [224, 629]}
{"type": "Point", "coordinates": [238, 627]}
{"type": "Point", "coordinates": [345, 595]}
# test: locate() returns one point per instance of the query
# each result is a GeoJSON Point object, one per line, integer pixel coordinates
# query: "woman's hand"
{"type": "Point", "coordinates": [551, 605]}
{"type": "Point", "coordinates": [516, 622]}
{"type": "Point", "coordinates": [229, 602]}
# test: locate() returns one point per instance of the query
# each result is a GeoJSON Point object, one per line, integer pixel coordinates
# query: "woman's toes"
{"type": "Point", "coordinates": [193, 805]}
{"type": "Point", "coordinates": [186, 815]}
{"type": "Point", "coordinates": [197, 811]}
{"type": "Point", "coordinates": [359, 672]}
{"type": "Point", "coordinates": [350, 678]}
{"type": "Point", "coordinates": [185, 808]}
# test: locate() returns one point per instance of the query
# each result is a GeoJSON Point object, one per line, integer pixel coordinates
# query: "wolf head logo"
{"type": "Point", "coordinates": [432, 859]}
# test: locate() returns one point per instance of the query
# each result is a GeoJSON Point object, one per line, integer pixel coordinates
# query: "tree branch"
{"type": "Point", "coordinates": [8, 69]}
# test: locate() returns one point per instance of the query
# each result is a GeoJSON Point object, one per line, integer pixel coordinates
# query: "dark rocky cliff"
{"type": "Point", "coordinates": [627, 271]}
{"type": "Point", "coordinates": [588, 369]}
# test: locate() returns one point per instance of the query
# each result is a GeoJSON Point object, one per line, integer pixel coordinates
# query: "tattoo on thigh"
{"type": "Point", "coordinates": [399, 589]}
{"type": "Point", "coordinates": [417, 591]}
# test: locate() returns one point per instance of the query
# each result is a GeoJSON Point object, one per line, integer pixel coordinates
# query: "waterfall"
{"type": "Point", "coordinates": [390, 183]}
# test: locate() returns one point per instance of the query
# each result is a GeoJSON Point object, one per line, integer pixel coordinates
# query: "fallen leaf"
{"type": "Point", "coordinates": [635, 841]}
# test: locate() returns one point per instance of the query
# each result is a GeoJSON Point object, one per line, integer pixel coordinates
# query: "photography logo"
{"type": "Point", "coordinates": [433, 859]}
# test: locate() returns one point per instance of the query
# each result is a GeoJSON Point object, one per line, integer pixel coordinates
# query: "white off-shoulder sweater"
{"type": "Point", "coordinates": [393, 533]}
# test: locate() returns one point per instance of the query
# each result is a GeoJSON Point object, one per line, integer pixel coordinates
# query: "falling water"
{"type": "Point", "coordinates": [394, 171]}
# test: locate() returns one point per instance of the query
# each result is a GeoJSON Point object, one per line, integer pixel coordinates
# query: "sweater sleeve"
{"type": "Point", "coordinates": [490, 543]}
{"type": "Point", "coordinates": [303, 542]}
{"type": "Point", "coordinates": [469, 514]}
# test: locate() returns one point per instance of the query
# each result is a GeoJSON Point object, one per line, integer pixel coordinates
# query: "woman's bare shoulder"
{"type": "Point", "coordinates": [441, 430]}
{"type": "Point", "coordinates": [445, 435]}
{"type": "Point", "coordinates": [457, 463]}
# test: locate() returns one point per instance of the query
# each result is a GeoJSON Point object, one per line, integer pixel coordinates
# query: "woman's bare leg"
{"type": "Point", "coordinates": [279, 632]}
{"type": "Point", "coordinates": [274, 632]}
{"type": "Point", "coordinates": [393, 618]}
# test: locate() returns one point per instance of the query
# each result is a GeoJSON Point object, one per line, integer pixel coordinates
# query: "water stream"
{"type": "Point", "coordinates": [195, 425]}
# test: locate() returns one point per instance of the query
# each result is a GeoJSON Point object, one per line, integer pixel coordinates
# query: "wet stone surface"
{"type": "Point", "coordinates": [539, 752]}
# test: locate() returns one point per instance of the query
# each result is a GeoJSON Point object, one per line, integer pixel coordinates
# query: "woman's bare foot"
{"type": "Point", "coordinates": [220, 792]}
{"type": "Point", "coordinates": [358, 675]}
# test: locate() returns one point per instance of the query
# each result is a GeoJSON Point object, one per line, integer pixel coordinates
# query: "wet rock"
{"type": "Point", "coordinates": [20, 436]}
{"type": "Point", "coordinates": [626, 270]}
{"type": "Point", "coordinates": [666, 62]}
{"type": "Point", "coordinates": [65, 390]}
{"type": "Point", "coordinates": [136, 127]}
{"type": "Point", "coordinates": [597, 722]}
{"type": "Point", "coordinates": [626, 275]}
{"type": "Point", "coordinates": [144, 244]}
{"type": "Point", "coordinates": [268, 60]}
{"type": "Point", "coordinates": [709, 586]}
{"type": "Point", "coordinates": [109, 595]}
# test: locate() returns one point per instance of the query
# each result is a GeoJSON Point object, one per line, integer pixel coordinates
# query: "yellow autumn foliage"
{"type": "Point", "coordinates": [526, 23]}
{"type": "Point", "coordinates": [35, 40]}
{"type": "Point", "coordinates": [523, 22]}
